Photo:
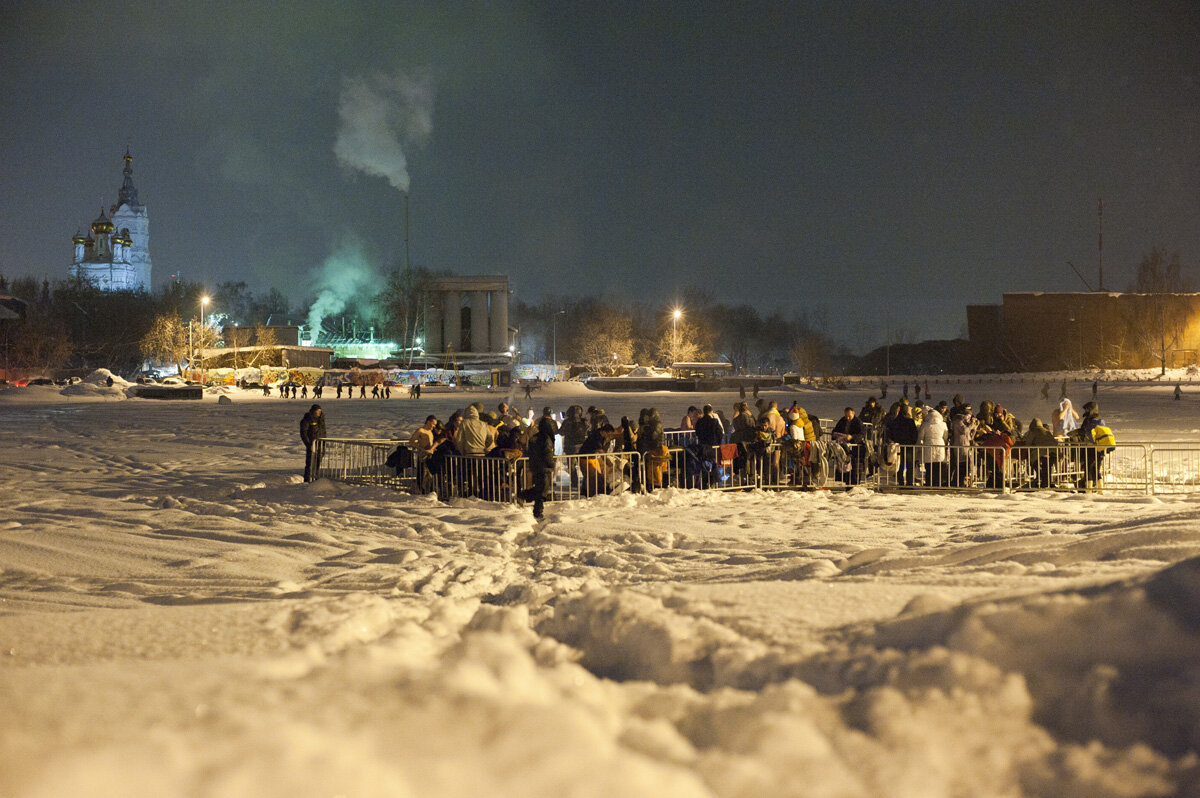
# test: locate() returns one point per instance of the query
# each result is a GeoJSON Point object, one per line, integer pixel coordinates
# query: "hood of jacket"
{"type": "Point", "coordinates": [471, 412]}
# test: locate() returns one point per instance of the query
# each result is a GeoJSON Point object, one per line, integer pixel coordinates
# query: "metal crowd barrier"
{"type": "Point", "coordinates": [1175, 469]}
{"type": "Point", "coordinates": [578, 476]}
{"type": "Point", "coordinates": [494, 477]}
{"type": "Point", "coordinates": [1137, 468]}
{"type": "Point", "coordinates": [361, 462]}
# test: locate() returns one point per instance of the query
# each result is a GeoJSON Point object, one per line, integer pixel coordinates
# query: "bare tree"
{"type": "Point", "coordinates": [265, 340]}
{"type": "Point", "coordinates": [39, 343]}
{"type": "Point", "coordinates": [1156, 321]}
{"type": "Point", "coordinates": [810, 354]}
{"type": "Point", "coordinates": [679, 342]}
{"type": "Point", "coordinates": [605, 340]}
{"type": "Point", "coordinates": [166, 341]}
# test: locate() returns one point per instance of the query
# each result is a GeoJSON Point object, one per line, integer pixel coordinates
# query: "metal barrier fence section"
{"type": "Point", "coordinates": [1175, 469]}
{"type": "Point", "coordinates": [363, 462]}
{"type": "Point", "coordinates": [496, 478]}
{"type": "Point", "coordinates": [1125, 468]}
{"type": "Point", "coordinates": [578, 476]}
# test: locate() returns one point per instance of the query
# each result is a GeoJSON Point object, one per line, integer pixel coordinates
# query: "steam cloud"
{"type": "Point", "coordinates": [381, 116]}
{"type": "Point", "coordinates": [345, 275]}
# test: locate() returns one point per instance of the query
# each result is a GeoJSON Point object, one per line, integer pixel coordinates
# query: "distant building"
{"type": "Point", "coordinates": [466, 317]}
{"type": "Point", "coordinates": [115, 255]}
{"type": "Point", "coordinates": [1037, 331]}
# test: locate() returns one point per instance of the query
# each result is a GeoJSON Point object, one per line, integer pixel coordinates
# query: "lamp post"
{"type": "Point", "coordinates": [554, 331]}
{"type": "Point", "coordinates": [204, 300]}
{"type": "Point", "coordinates": [674, 335]}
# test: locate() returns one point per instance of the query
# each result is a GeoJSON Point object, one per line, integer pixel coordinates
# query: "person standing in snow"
{"type": "Point", "coordinates": [903, 431]}
{"type": "Point", "coordinates": [962, 435]}
{"type": "Point", "coordinates": [312, 428]}
{"type": "Point", "coordinates": [1099, 435]}
{"type": "Point", "coordinates": [848, 431]}
{"type": "Point", "coordinates": [932, 438]}
{"type": "Point", "coordinates": [541, 464]}
{"type": "Point", "coordinates": [1178, 392]}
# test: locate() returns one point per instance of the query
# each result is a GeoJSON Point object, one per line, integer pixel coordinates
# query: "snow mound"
{"type": "Point", "coordinates": [95, 385]}
{"type": "Point", "coordinates": [648, 371]}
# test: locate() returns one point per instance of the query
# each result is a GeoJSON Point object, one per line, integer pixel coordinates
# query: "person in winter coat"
{"type": "Point", "coordinates": [932, 439]}
{"type": "Point", "coordinates": [541, 464]}
{"type": "Point", "coordinates": [903, 431]}
{"type": "Point", "coordinates": [547, 413]}
{"type": "Point", "coordinates": [804, 421]}
{"type": "Point", "coordinates": [1064, 420]}
{"type": "Point", "coordinates": [709, 430]}
{"type": "Point", "coordinates": [575, 429]}
{"type": "Point", "coordinates": [743, 424]}
{"type": "Point", "coordinates": [962, 435]}
{"type": "Point", "coordinates": [651, 445]}
{"type": "Point", "coordinates": [848, 432]}
{"type": "Point", "coordinates": [1093, 431]}
{"type": "Point", "coordinates": [1043, 448]}
{"type": "Point", "coordinates": [312, 428]}
{"type": "Point", "coordinates": [871, 412]}
{"type": "Point", "coordinates": [475, 436]}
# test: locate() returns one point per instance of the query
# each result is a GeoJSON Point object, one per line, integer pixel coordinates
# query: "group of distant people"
{"type": "Point", "coordinates": [293, 390]}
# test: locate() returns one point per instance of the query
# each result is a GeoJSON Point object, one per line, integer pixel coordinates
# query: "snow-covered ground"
{"type": "Point", "coordinates": [181, 616]}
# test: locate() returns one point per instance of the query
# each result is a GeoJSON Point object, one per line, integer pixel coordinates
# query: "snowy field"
{"type": "Point", "coordinates": [181, 616]}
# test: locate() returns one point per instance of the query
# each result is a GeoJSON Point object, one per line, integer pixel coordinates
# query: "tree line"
{"type": "Point", "coordinates": [73, 325]}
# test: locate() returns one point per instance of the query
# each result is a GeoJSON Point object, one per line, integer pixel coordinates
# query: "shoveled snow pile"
{"type": "Point", "coordinates": [181, 615]}
{"type": "Point", "coordinates": [95, 386]}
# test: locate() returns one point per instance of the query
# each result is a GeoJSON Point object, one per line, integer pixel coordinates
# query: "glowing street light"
{"type": "Point", "coordinates": [204, 300]}
{"type": "Point", "coordinates": [674, 334]}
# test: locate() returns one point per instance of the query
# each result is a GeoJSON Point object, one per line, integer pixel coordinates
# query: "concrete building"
{"type": "Point", "coordinates": [467, 316]}
{"type": "Point", "coordinates": [115, 255]}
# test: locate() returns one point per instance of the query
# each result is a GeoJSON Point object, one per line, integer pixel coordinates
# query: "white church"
{"type": "Point", "coordinates": [115, 256]}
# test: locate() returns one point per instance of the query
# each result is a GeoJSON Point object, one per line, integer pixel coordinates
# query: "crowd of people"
{"type": "Point", "coordinates": [947, 444]}
{"type": "Point", "coordinates": [951, 445]}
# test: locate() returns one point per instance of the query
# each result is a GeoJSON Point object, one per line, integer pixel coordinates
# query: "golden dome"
{"type": "Point", "coordinates": [102, 224]}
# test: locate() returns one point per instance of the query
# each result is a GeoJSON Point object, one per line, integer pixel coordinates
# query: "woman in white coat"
{"type": "Point", "coordinates": [932, 439]}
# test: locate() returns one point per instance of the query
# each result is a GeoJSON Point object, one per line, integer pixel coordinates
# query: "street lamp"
{"type": "Point", "coordinates": [204, 300]}
{"type": "Point", "coordinates": [674, 335]}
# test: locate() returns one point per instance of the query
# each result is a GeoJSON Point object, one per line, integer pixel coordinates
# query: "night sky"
{"type": "Point", "coordinates": [886, 162]}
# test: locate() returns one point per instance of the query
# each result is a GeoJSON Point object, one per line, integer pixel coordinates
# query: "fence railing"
{"type": "Point", "coordinates": [362, 462]}
{"type": "Point", "coordinates": [1125, 468]}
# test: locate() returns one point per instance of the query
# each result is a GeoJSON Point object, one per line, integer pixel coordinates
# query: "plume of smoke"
{"type": "Point", "coordinates": [345, 275]}
{"type": "Point", "coordinates": [380, 117]}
